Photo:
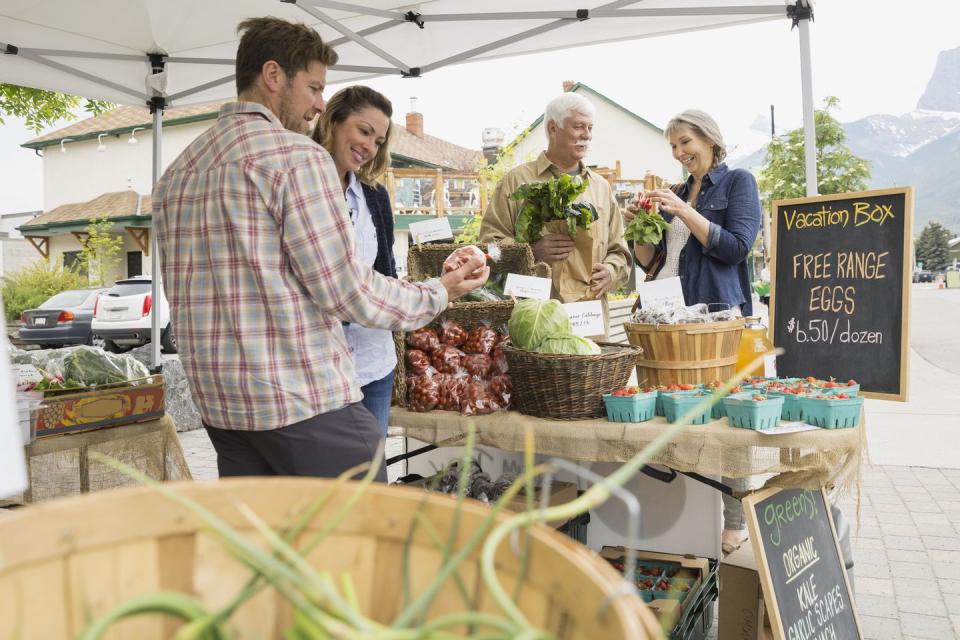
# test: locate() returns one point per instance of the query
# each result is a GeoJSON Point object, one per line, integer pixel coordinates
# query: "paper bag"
{"type": "Point", "coordinates": [571, 277]}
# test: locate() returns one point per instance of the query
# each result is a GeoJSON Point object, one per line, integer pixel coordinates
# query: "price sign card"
{"type": "Point", "coordinates": [661, 292]}
{"type": "Point", "coordinates": [586, 318]}
{"type": "Point", "coordinates": [430, 230]}
{"type": "Point", "coordinates": [527, 287]}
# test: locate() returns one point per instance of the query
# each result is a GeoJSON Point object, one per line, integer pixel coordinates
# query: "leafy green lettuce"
{"type": "Point", "coordinates": [532, 321]}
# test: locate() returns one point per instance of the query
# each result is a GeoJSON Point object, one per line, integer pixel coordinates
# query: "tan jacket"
{"type": "Point", "coordinates": [603, 242]}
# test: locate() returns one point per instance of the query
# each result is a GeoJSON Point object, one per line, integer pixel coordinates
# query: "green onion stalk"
{"type": "Point", "coordinates": [594, 496]}
{"type": "Point", "coordinates": [322, 609]}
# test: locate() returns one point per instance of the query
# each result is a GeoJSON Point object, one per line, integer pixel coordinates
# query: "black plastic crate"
{"type": "Point", "coordinates": [698, 616]}
{"type": "Point", "coordinates": [576, 527]}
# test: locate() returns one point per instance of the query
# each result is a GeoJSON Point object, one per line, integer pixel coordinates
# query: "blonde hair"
{"type": "Point", "coordinates": [703, 125]}
{"type": "Point", "coordinates": [339, 108]}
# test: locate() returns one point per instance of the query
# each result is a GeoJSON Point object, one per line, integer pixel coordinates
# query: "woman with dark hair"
{"type": "Point", "coordinates": [354, 129]}
{"type": "Point", "coordinates": [714, 218]}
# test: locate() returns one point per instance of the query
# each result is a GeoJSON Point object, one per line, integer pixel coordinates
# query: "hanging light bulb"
{"type": "Point", "coordinates": [62, 148]}
{"type": "Point", "coordinates": [133, 138]}
{"type": "Point", "coordinates": [100, 146]}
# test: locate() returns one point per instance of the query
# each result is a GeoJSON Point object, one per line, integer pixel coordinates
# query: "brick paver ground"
{"type": "Point", "coordinates": [906, 547]}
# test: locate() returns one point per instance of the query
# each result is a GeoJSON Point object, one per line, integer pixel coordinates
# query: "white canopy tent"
{"type": "Point", "coordinates": [176, 52]}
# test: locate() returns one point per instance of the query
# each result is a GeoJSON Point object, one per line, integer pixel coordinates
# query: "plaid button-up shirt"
{"type": "Point", "coordinates": [258, 262]}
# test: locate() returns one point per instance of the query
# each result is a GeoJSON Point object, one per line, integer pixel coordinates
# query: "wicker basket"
{"type": "Point", "coordinates": [468, 315]}
{"type": "Point", "coordinates": [686, 353]}
{"type": "Point", "coordinates": [426, 261]}
{"type": "Point", "coordinates": [66, 563]}
{"type": "Point", "coordinates": [568, 387]}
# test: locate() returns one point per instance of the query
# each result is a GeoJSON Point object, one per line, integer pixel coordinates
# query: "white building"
{"type": "Point", "coordinates": [619, 136]}
{"type": "Point", "coordinates": [102, 167]}
{"type": "Point", "coordinates": [15, 251]}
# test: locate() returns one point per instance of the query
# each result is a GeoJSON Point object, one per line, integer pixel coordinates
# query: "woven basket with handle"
{"type": "Point", "coordinates": [426, 261]}
{"type": "Point", "coordinates": [568, 387]}
{"type": "Point", "coordinates": [468, 315]}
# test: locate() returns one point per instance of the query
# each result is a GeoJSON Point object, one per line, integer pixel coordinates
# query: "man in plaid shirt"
{"type": "Point", "coordinates": [258, 263]}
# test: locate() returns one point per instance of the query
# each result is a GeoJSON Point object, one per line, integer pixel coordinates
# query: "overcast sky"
{"type": "Point", "coordinates": [875, 56]}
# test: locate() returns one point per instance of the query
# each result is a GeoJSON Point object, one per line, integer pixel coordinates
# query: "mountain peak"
{"type": "Point", "coordinates": [943, 90]}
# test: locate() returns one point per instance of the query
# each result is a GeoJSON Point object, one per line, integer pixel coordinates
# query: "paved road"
{"type": "Point", "coordinates": [935, 326]}
{"type": "Point", "coordinates": [913, 433]}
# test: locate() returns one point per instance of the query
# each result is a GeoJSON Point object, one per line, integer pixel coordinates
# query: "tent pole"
{"type": "Point", "coordinates": [154, 250]}
{"type": "Point", "coordinates": [157, 104]}
{"type": "Point", "coordinates": [809, 125]}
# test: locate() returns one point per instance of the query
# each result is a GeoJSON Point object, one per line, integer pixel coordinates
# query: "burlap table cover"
{"type": "Point", "coordinates": [811, 459]}
{"type": "Point", "coordinates": [60, 465]}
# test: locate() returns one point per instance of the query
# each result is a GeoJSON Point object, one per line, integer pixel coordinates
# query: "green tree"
{"type": "Point", "coordinates": [29, 287]}
{"type": "Point", "coordinates": [933, 248]}
{"type": "Point", "coordinates": [42, 108]}
{"type": "Point", "coordinates": [838, 170]}
{"type": "Point", "coordinates": [470, 232]}
{"type": "Point", "coordinates": [99, 255]}
{"type": "Point", "coordinates": [492, 172]}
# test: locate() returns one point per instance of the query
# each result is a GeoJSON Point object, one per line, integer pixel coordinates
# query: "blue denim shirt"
{"type": "Point", "coordinates": [717, 272]}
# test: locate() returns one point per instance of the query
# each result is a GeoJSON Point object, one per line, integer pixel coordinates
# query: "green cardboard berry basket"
{"type": "Point", "coordinates": [745, 413]}
{"type": "Point", "coordinates": [791, 405]}
{"type": "Point", "coordinates": [658, 410]}
{"type": "Point", "coordinates": [851, 390]}
{"type": "Point", "coordinates": [645, 594]}
{"type": "Point", "coordinates": [831, 413]}
{"type": "Point", "coordinates": [676, 404]}
{"type": "Point", "coordinates": [719, 410]}
{"type": "Point", "coordinates": [639, 407]}
{"type": "Point", "coordinates": [675, 591]}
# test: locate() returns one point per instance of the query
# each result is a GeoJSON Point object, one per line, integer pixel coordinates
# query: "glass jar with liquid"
{"type": "Point", "coordinates": [753, 342]}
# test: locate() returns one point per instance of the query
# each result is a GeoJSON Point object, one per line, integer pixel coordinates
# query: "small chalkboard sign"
{"type": "Point", "coordinates": [840, 288]}
{"type": "Point", "coordinates": [802, 573]}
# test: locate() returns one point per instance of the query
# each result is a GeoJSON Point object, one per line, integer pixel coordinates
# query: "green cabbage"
{"type": "Point", "coordinates": [532, 321]}
{"type": "Point", "coordinates": [570, 345]}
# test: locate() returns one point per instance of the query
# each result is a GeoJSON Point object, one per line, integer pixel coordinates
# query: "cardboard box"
{"type": "Point", "coordinates": [668, 611]}
{"type": "Point", "coordinates": [560, 493]}
{"type": "Point", "coordinates": [107, 406]}
{"type": "Point", "coordinates": [742, 612]}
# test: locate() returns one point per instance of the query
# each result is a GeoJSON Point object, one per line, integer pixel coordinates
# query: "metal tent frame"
{"type": "Point", "coordinates": [96, 66]}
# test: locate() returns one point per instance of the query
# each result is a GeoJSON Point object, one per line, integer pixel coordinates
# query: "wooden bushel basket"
{"type": "Point", "coordinates": [65, 563]}
{"type": "Point", "coordinates": [691, 353]}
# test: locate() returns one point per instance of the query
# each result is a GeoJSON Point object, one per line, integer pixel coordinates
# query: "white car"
{"type": "Point", "coordinates": [122, 316]}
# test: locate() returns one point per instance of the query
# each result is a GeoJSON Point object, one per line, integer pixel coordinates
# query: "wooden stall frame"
{"type": "Point", "coordinates": [907, 246]}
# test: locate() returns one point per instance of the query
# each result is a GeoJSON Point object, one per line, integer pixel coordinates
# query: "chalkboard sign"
{"type": "Point", "coordinates": [801, 569]}
{"type": "Point", "coordinates": [840, 288]}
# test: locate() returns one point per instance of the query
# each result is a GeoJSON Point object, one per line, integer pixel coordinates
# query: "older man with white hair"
{"type": "Point", "coordinates": [598, 260]}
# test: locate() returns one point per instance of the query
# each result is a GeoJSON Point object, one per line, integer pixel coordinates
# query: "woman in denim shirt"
{"type": "Point", "coordinates": [714, 218]}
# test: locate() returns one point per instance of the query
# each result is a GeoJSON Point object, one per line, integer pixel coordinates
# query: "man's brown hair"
{"type": "Point", "coordinates": [291, 45]}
